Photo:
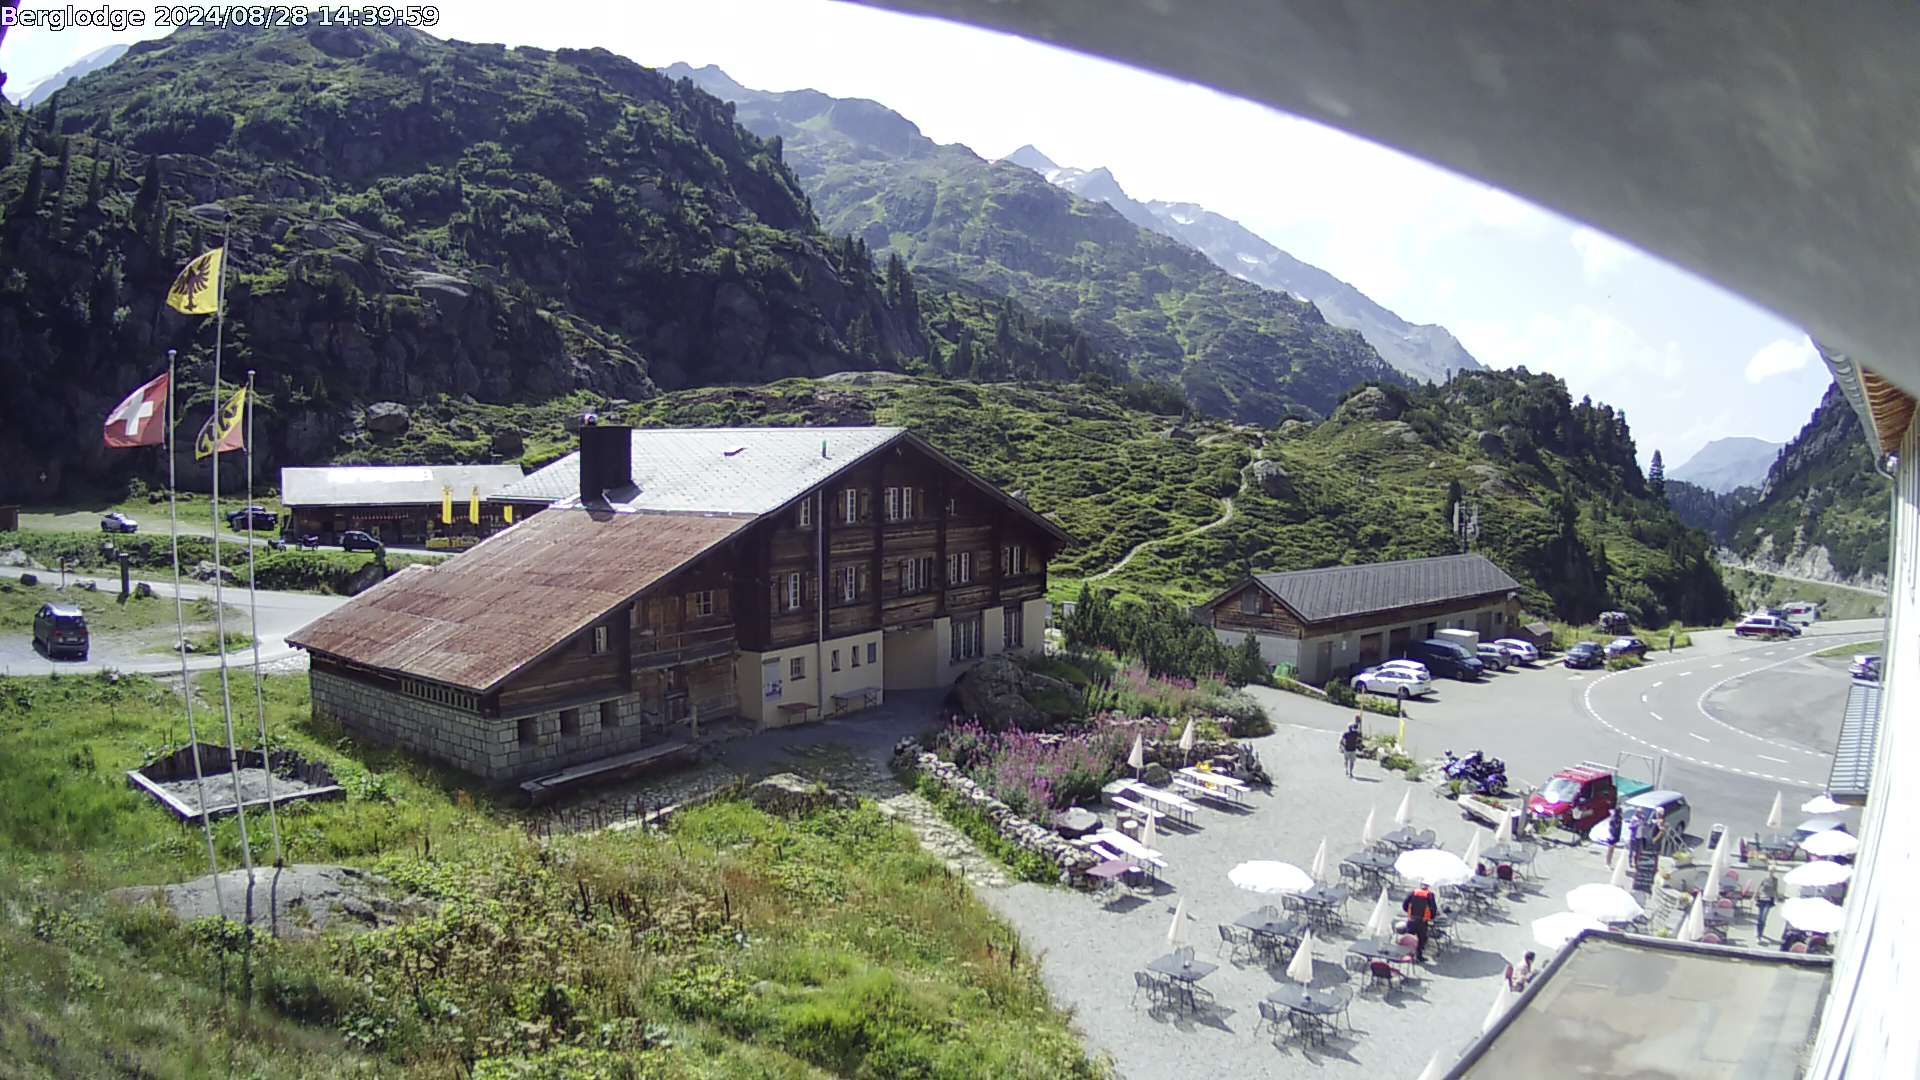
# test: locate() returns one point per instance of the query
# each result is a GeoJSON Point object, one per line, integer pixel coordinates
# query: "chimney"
{"type": "Point", "coordinates": [606, 461]}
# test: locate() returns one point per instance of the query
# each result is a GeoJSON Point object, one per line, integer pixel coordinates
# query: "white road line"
{"type": "Point", "coordinates": [1767, 757]}
{"type": "Point", "coordinates": [1683, 674]}
{"type": "Point", "coordinates": [1643, 699]}
{"type": "Point", "coordinates": [1700, 703]}
{"type": "Point", "coordinates": [1587, 703]}
{"type": "Point", "coordinates": [1717, 667]}
{"type": "Point", "coordinates": [1699, 736]}
{"type": "Point", "coordinates": [1656, 716]}
{"type": "Point", "coordinates": [1656, 686]}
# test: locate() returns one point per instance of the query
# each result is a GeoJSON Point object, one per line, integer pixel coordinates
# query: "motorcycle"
{"type": "Point", "coordinates": [1477, 772]}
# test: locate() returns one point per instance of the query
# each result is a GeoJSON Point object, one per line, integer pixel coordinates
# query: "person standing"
{"type": "Point", "coordinates": [1519, 977]}
{"type": "Point", "coordinates": [1421, 909]}
{"type": "Point", "coordinates": [1614, 822]}
{"type": "Point", "coordinates": [1763, 902]}
{"type": "Point", "coordinates": [1350, 743]}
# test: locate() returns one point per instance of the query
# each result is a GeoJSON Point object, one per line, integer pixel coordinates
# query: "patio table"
{"type": "Point", "coordinates": [1212, 779]}
{"type": "Point", "coordinates": [1408, 839]}
{"type": "Point", "coordinates": [1316, 1005]}
{"type": "Point", "coordinates": [1475, 894]}
{"type": "Point", "coordinates": [1174, 965]}
{"type": "Point", "coordinates": [1387, 949]}
{"type": "Point", "coordinates": [1371, 860]}
{"type": "Point", "coordinates": [1112, 869]}
{"type": "Point", "coordinates": [1511, 854]}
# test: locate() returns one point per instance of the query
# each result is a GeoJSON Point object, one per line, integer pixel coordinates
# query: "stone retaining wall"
{"type": "Point", "coordinates": [1074, 862]}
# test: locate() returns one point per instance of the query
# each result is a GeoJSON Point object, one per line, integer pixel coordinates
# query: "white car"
{"type": "Point", "coordinates": [1522, 652]}
{"type": "Point", "coordinates": [1392, 682]}
{"type": "Point", "coordinates": [1403, 664]}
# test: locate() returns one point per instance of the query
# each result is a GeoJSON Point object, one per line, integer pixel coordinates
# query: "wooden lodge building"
{"type": "Point", "coordinates": [776, 575]}
{"type": "Point", "coordinates": [395, 504]}
{"type": "Point", "coordinates": [1335, 620]}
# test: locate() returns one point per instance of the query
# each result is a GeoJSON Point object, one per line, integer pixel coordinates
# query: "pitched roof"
{"type": "Point", "coordinates": [716, 470]}
{"type": "Point", "coordinates": [1851, 777]}
{"type": "Point", "coordinates": [1335, 592]}
{"type": "Point", "coordinates": [350, 485]}
{"type": "Point", "coordinates": [473, 620]}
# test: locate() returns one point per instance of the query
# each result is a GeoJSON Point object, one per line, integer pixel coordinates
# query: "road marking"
{"type": "Point", "coordinates": [1766, 757]}
{"type": "Point", "coordinates": [1586, 700]}
{"type": "Point", "coordinates": [1717, 667]}
{"type": "Point", "coordinates": [1657, 717]}
{"type": "Point", "coordinates": [1699, 736]}
{"type": "Point", "coordinates": [1683, 675]}
{"type": "Point", "coordinates": [1657, 686]}
{"type": "Point", "coordinates": [1700, 703]}
{"type": "Point", "coordinates": [1643, 699]}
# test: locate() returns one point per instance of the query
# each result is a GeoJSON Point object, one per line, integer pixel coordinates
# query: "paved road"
{"type": "Point", "coordinates": [281, 613]}
{"type": "Point", "coordinates": [1757, 707]}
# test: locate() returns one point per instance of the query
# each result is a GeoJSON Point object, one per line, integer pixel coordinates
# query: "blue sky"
{"type": "Point", "coordinates": [1688, 361]}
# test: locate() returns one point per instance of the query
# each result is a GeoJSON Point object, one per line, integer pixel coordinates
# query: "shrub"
{"type": "Point", "coordinates": [1622, 663]}
{"type": "Point", "coordinates": [1395, 761]}
{"type": "Point", "coordinates": [1035, 776]}
{"type": "Point", "coordinates": [1383, 706]}
{"type": "Point", "coordinates": [1340, 692]}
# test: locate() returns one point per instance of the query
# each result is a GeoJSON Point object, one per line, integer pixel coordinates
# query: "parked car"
{"type": "Point", "coordinates": [59, 629]}
{"type": "Point", "coordinates": [260, 518]}
{"type": "Point", "coordinates": [1523, 652]}
{"type": "Point", "coordinates": [1447, 658]}
{"type": "Point", "coordinates": [1493, 656]}
{"type": "Point", "coordinates": [1584, 654]}
{"type": "Point", "coordinates": [1658, 817]}
{"type": "Point", "coordinates": [1579, 795]}
{"type": "Point", "coordinates": [1766, 627]}
{"type": "Point", "coordinates": [118, 522]}
{"type": "Point", "coordinates": [1625, 646]}
{"type": "Point", "coordinates": [1393, 682]}
{"type": "Point", "coordinates": [1865, 666]}
{"type": "Point", "coordinates": [1802, 612]}
{"type": "Point", "coordinates": [1404, 664]}
{"type": "Point", "coordinates": [355, 540]}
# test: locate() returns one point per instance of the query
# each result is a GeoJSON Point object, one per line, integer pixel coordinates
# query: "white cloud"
{"type": "Point", "coordinates": [1600, 254]}
{"type": "Point", "coordinates": [1780, 357]}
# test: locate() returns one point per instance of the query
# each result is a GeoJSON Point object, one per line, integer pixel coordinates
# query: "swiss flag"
{"type": "Point", "coordinates": [140, 420]}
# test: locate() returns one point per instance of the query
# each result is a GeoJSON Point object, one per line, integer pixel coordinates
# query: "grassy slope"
{"type": "Point", "coordinates": [744, 945]}
{"type": "Point", "coordinates": [1754, 590]}
{"type": "Point", "coordinates": [105, 613]}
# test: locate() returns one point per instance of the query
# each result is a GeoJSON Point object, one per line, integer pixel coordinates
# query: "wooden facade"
{"type": "Point", "coordinates": [1270, 616]}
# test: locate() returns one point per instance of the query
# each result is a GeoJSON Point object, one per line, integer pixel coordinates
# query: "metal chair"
{"type": "Point", "coordinates": [1144, 980]}
{"type": "Point", "coordinates": [1381, 974]}
{"type": "Point", "coordinates": [1269, 1018]}
{"type": "Point", "coordinates": [1237, 942]}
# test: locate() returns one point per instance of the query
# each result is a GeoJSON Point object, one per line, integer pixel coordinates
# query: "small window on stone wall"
{"type": "Point", "coordinates": [569, 721]}
{"type": "Point", "coordinates": [529, 730]}
{"type": "Point", "coordinates": [609, 714]}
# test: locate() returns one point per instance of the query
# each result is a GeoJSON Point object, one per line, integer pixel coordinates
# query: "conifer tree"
{"type": "Point", "coordinates": [148, 197]}
{"type": "Point", "coordinates": [1657, 477]}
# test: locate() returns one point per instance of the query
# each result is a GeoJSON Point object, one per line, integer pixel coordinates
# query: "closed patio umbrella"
{"type": "Point", "coordinates": [1366, 831]}
{"type": "Point", "coordinates": [1404, 815]}
{"type": "Point", "coordinates": [1774, 817]}
{"type": "Point", "coordinates": [1503, 832]}
{"type": "Point", "coordinates": [1149, 833]}
{"type": "Point", "coordinates": [1816, 914]}
{"type": "Point", "coordinates": [1472, 854]}
{"type": "Point", "coordinates": [1502, 1001]}
{"type": "Point", "coordinates": [1618, 879]}
{"type": "Point", "coordinates": [1137, 757]}
{"type": "Point", "coordinates": [1177, 930]}
{"type": "Point", "coordinates": [1270, 878]}
{"type": "Point", "coordinates": [1186, 740]}
{"type": "Point", "coordinates": [1300, 968]}
{"type": "Point", "coordinates": [1380, 923]}
{"type": "Point", "coordinates": [1432, 865]}
{"type": "Point", "coordinates": [1555, 930]}
{"type": "Point", "coordinates": [1823, 803]}
{"type": "Point", "coordinates": [1819, 874]}
{"type": "Point", "coordinates": [1319, 868]}
{"type": "Point", "coordinates": [1831, 843]}
{"type": "Point", "coordinates": [1604, 903]}
{"type": "Point", "coordinates": [1433, 1071]}
{"type": "Point", "coordinates": [1694, 926]}
{"type": "Point", "coordinates": [1716, 870]}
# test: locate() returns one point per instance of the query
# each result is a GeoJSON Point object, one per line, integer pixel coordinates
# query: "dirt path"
{"type": "Point", "coordinates": [1226, 515]}
{"type": "Point", "coordinates": [976, 867]}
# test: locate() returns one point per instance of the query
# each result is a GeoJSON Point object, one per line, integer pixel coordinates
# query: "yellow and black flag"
{"type": "Point", "coordinates": [229, 436]}
{"type": "Point", "coordinates": [197, 290]}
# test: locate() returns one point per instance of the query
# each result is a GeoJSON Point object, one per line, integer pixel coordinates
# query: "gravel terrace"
{"type": "Point", "coordinates": [253, 785]}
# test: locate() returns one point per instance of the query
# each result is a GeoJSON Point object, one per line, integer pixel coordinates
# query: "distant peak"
{"type": "Point", "coordinates": [708, 77]}
{"type": "Point", "coordinates": [1030, 157]}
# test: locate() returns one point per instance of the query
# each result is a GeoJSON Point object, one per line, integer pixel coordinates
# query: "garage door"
{"type": "Point", "coordinates": [1486, 624]}
{"type": "Point", "coordinates": [1370, 649]}
{"type": "Point", "coordinates": [1397, 641]}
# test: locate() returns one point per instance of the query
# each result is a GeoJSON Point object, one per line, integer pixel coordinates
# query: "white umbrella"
{"type": "Point", "coordinates": [1716, 871]}
{"type": "Point", "coordinates": [1404, 815]}
{"type": "Point", "coordinates": [1137, 757]}
{"type": "Point", "coordinates": [1319, 868]}
{"type": "Point", "coordinates": [1774, 818]}
{"type": "Point", "coordinates": [1433, 1071]}
{"type": "Point", "coordinates": [1831, 843]}
{"type": "Point", "coordinates": [1270, 878]}
{"type": "Point", "coordinates": [1300, 968]}
{"type": "Point", "coordinates": [1177, 930]}
{"type": "Point", "coordinates": [1820, 824]}
{"type": "Point", "coordinates": [1432, 865]}
{"type": "Point", "coordinates": [1823, 803]}
{"type": "Point", "coordinates": [1816, 914]}
{"type": "Point", "coordinates": [1503, 832]}
{"type": "Point", "coordinates": [1149, 833]}
{"type": "Point", "coordinates": [1555, 930]}
{"type": "Point", "coordinates": [1502, 1000]}
{"type": "Point", "coordinates": [1186, 739]}
{"type": "Point", "coordinates": [1366, 831]}
{"type": "Point", "coordinates": [1819, 874]}
{"type": "Point", "coordinates": [1618, 879]}
{"type": "Point", "coordinates": [1694, 926]}
{"type": "Point", "coordinates": [1605, 903]}
{"type": "Point", "coordinates": [1472, 854]}
{"type": "Point", "coordinates": [1380, 923]}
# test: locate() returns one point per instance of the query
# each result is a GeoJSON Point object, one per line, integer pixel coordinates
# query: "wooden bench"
{"type": "Point", "coordinates": [1138, 810]}
{"type": "Point", "coordinates": [1226, 795]}
{"type": "Point", "coordinates": [1169, 804]}
{"type": "Point", "coordinates": [799, 709]}
{"type": "Point", "coordinates": [864, 698]}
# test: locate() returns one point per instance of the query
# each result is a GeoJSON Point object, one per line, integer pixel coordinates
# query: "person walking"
{"type": "Point", "coordinates": [1350, 743]}
{"type": "Point", "coordinates": [1763, 902]}
{"type": "Point", "coordinates": [1421, 909]}
{"type": "Point", "coordinates": [1614, 822]}
{"type": "Point", "coordinates": [1519, 977]}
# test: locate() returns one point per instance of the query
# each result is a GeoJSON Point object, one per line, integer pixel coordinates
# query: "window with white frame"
{"type": "Point", "coordinates": [793, 592]}
{"type": "Point", "coordinates": [601, 637]}
{"type": "Point", "coordinates": [806, 513]}
{"type": "Point", "coordinates": [965, 643]}
{"type": "Point", "coordinates": [960, 568]}
{"type": "Point", "coordinates": [853, 655]}
{"type": "Point", "coordinates": [850, 499]}
{"type": "Point", "coordinates": [873, 652]}
{"type": "Point", "coordinates": [1013, 560]}
{"type": "Point", "coordinates": [906, 504]}
{"type": "Point", "coordinates": [797, 668]}
{"type": "Point", "coordinates": [849, 583]}
{"type": "Point", "coordinates": [700, 603]}
{"type": "Point", "coordinates": [892, 500]}
{"type": "Point", "coordinates": [836, 659]}
{"type": "Point", "coordinates": [1012, 632]}
{"type": "Point", "coordinates": [916, 575]}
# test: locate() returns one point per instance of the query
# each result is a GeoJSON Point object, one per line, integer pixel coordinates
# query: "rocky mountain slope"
{"type": "Point", "coordinates": [1709, 511]}
{"type": "Point", "coordinates": [408, 217]}
{"type": "Point", "coordinates": [975, 226]}
{"type": "Point", "coordinates": [1725, 464]}
{"type": "Point", "coordinates": [1822, 512]}
{"type": "Point", "coordinates": [1422, 351]}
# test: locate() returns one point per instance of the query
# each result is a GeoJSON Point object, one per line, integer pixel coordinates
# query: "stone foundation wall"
{"type": "Point", "coordinates": [1073, 861]}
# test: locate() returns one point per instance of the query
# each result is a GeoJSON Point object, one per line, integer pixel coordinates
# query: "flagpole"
{"type": "Point", "coordinates": [180, 643]}
{"type": "Point", "coordinates": [253, 620]}
{"type": "Point", "coordinates": [219, 591]}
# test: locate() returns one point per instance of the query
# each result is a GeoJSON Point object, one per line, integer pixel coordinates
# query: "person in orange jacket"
{"type": "Point", "coordinates": [1421, 908]}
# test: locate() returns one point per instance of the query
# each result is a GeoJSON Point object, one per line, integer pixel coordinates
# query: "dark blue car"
{"type": "Point", "coordinates": [1585, 654]}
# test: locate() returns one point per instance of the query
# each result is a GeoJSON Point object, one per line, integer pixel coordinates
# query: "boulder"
{"type": "Point", "coordinates": [1272, 478]}
{"type": "Point", "coordinates": [790, 795]}
{"type": "Point", "coordinates": [29, 579]}
{"type": "Point", "coordinates": [205, 570]}
{"type": "Point", "coordinates": [16, 557]}
{"type": "Point", "coordinates": [1076, 821]}
{"type": "Point", "coordinates": [507, 442]}
{"type": "Point", "coordinates": [1369, 403]}
{"type": "Point", "coordinates": [1000, 693]}
{"type": "Point", "coordinates": [388, 418]}
{"type": "Point", "coordinates": [1157, 775]}
{"type": "Point", "coordinates": [143, 590]}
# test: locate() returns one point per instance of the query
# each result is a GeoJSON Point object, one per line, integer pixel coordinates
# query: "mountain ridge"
{"type": "Point", "coordinates": [1724, 465]}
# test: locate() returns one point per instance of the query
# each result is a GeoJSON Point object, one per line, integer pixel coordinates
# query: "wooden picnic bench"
{"type": "Point", "coordinates": [1227, 795]}
{"type": "Point", "coordinates": [1136, 809]}
{"type": "Point", "coordinates": [864, 698]}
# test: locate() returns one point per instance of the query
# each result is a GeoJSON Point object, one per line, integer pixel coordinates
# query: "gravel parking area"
{"type": "Point", "coordinates": [1091, 949]}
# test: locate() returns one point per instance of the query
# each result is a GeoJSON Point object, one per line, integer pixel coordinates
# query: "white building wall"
{"type": "Point", "coordinates": [1867, 1029]}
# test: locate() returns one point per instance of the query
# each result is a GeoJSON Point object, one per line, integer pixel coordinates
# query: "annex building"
{"type": "Point", "coordinates": [1335, 620]}
{"type": "Point", "coordinates": [395, 504]}
{"type": "Point", "coordinates": [776, 575]}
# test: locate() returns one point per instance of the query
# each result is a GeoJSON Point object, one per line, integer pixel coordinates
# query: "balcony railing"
{"type": "Point", "coordinates": [651, 650]}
